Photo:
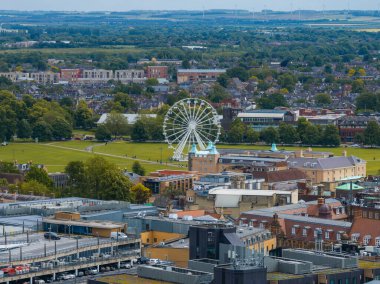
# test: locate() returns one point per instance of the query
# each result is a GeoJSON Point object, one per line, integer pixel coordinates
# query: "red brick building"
{"type": "Point", "coordinates": [157, 72]}
{"type": "Point", "coordinates": [296, 225]}
{"type": "Point", "coordinates": [71, 75]}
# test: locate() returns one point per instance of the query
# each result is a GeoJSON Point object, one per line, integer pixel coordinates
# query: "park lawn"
{"type": "Point", "coordinates": [55, 159]}
{"type": "Point", "coordinates": [152, 151]}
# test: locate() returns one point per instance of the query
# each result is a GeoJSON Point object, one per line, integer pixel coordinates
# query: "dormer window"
{"type": "Point", "coordinates": [355, 237]}
{"type": "Point", "coordinates": [366, 240]}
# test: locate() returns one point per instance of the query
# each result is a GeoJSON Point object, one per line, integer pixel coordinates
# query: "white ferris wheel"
{"type": "Point", "coordinates": [190, 121]}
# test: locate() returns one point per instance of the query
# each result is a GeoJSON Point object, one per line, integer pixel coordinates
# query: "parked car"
{"type": "Point", "coordinates": [154, 261]}
{"type": "Point", "coordinates": [92, 271]}
{"type": "Point", "coordinates": [68, 276]}
{"type": "Point", "coordinates": [142, 260]}
{"type": "Point", "coordinates": [118, 236]}
{"type": "Point", "coordinates": [125, 265]}
{"type": "Point", "coordinates": [51, 236]}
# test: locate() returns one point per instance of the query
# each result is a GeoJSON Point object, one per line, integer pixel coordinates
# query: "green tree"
{"type": "Point", "coordinates": [302, 124]}
{"type": "Point", "coordinates": [151, 82]}
{"type": "Point", "coordinates": [288, 134]}
{"type": "Point", "coordinates": [372, 134]}
{"type": "Point", "coordinates": [269, 135]}
{"type": "Point", "coordinates": [330, 136]}
{"type": "Point", "coordinates": [24, 130]}
{"type": "Point", "coordinates": [103, 180]}
{"type": "Point", "coordinates": [173, 98]}
{"type": "Point", "coordinates": [138, 169]}
{"type": "Point", "coordinates": [252, 136]}
{"type": "Point", "coordinates": [312, 135]}
{"type": "Point", "coordinates": [223, 80]}
{"type": "Point", "coordinates": [358, 86]}
{"type": "Point", "coordinates": [117, 124]}
{"type": "Point", "coordinates": [8, 122]}
{"type": "Point", "coordinates": [66, 102]}
{"type": "Point", "coordinates": [42, 131]}
{"type": "Point", "coordinates": [287, 81]}
{"type": "Point", "coordinates": [236, 132]}
{"type": "Point", "coordinates": [61, 129]}
{"type": "Point", "coordinates": [218, 94]}
{"type": "Point", "coordinates": [271, 101]}
{"type": "Point", "coordinates": [76, 172]}
{"type": "Point", "coordinates": [39, 175]}
{"type": "Point", "coordinates": [139, 132]}
{"type": "Point", "coordinates": [102, 133]}
{"type": "Point", "coordinates": [140, 194]}
{"type": "Point", "coordinates": [368, 101]}
{"type": "Point", "coordinates": [34, 187]}
{"type": "Point", "coordinates": [323, 99]}
{"type": "Point", "coordinates": [83, 116]}
{"type": "Point", "coordinates": [8, 167]}
{"type": "Point", "coordinates": [125, 101]}
{"type": "Point", "coordinates": [238, 72]}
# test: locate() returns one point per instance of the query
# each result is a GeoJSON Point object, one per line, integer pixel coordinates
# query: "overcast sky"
{"type": "Point", "coordinates": [126, 5]}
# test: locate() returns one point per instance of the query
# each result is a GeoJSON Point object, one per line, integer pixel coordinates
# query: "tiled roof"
{"type": "Point", "coordinates": [278, 176]}
{"type": "Point", "coordinates": [365, 226]}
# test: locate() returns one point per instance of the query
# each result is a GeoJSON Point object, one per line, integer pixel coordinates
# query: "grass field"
{"type": "Point", "coordinates": [56, 155]}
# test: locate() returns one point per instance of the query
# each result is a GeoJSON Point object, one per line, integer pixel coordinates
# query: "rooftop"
{"type": "Point", "coordinates": [251, 192]}
{"type": "Point", "coordinates": [201, 70]}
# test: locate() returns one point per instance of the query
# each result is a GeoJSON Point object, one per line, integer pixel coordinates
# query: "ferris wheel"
{"type": "Point", "coordinates": [188, 122]}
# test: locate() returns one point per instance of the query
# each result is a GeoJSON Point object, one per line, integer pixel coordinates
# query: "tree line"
{"type": "Point", "coordinates": [304, 133]}
{"type": "Point", "coordinates": [94, 178]}
{"type": "Point", "coordinates": [41, 119]}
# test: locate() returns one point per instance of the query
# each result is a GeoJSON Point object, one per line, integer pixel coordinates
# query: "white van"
{"type": "Point", "coordinates": [118, 236]}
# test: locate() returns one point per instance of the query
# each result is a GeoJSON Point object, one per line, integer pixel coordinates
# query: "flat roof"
{"type": "Point", "coordinates": [224, 191]}
{"type": "Point", "coordinates": [83, 223]}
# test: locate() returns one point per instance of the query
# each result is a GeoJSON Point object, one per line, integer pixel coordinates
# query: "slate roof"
{"type": "Point", "coordinates": [325, 163]}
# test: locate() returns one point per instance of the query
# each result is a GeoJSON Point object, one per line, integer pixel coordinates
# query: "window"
{"type": "Point", "coordinates": [327, 235]}
{"type": "Point", "coordinates": [338, 236]}
{"type": "Point", "coordinates": [304, 232]}
{"type": "Point", "coordinates": [366, 240]}
{"type": "Point", "coordinates": [210, 237]}
{"type": "Point", "coordinates": [377, 241]}
{"type": "Point", "coordinates": [293, 230]}
{"type": "Point", "coordinates": [355, 237]}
